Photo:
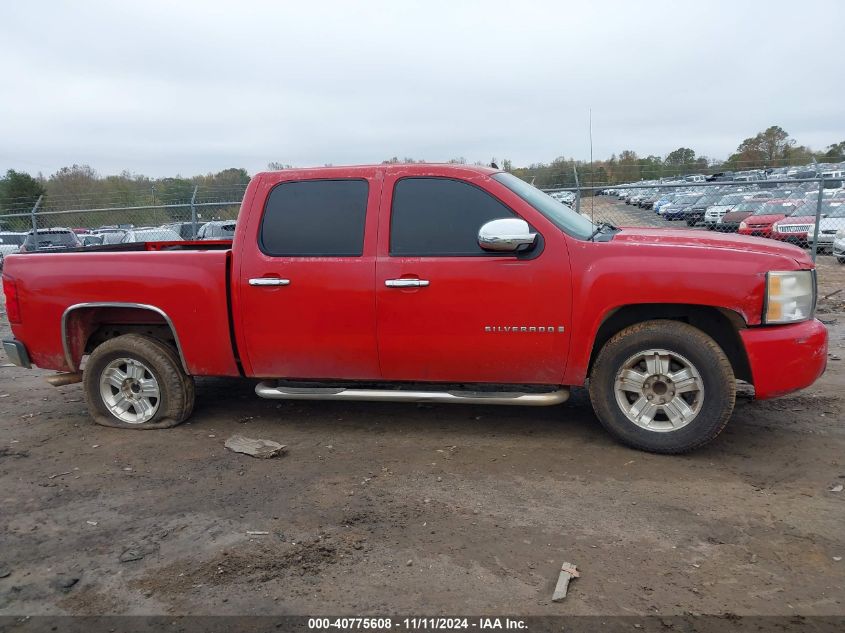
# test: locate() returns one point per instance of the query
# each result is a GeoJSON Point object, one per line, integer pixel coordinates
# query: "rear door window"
{"type": "Point", "coordinates": [315, 218]}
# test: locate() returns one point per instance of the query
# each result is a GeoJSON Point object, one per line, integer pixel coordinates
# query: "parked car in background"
{"type": "Point", "coordinates": [10, 242]}
{"type": "Point", "coordinates": [826, 194]}
{"type": "Point", "coordinates": [713, 214]}
{"type": "Point", "coordinates": [91, 239]}
{"type": "Point", "coordinates": [760, 222]}
{"type": "Point", "coordinates": [668, 198]}
{"type": "Point", "coordinates": [566, 197]}
{"type": "Point", "coordinates": [648, 201]}
{"type": "Point", "coordinates": [833, 178]}
{"type": "Point", "coordinates": [111, 237]}
{"type": "Point", "coordinates": [217, 230]}
{"type": "Point", "coordinates": [694, 213]}
{"type": "Point", "coordinates": [55, 239]}
{"type": "Point", "coordinates": [677, 209]}
{"type": "Point", "coordinates": [763, 195]}
{"type": "Point", "coordinates": [184, 229]}
{"type": "Point", "coordinates": [150, 235]}
{"type": "Point", "coordinates": [795, 228]}
{"type": "Point", "coordinates": [730, 221]}
{"type": "Point", "coordinates": [828, 228]}
{"type": "Point", "coordinates": [839, 246]}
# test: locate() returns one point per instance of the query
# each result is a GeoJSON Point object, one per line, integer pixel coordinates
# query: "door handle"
{"type": "Point", "coordinates": [406, 283]}
{"type": "Point", "coordinates": [268, 281]}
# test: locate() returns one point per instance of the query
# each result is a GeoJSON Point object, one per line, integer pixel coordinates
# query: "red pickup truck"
{"type": "Point", "coordinates": [426, 283]}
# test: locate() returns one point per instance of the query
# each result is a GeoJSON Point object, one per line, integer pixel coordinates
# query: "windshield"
{"type": "Point", "coordinates": [711, 199]}
{"type": "Point", "coordinates": [803, 210]}
{"type": "Point", "coordinates": [835, 211]}
{"type": "Point", "coordinates": [747, 207]}
{"type": "Point", "coordinates": [775, 208]}
{"type": "Point", "coordinates": [57, 238]}
{"type": "Point", "coordinates": [732, 199]}
{"type": "Point", "coordinates": [558, 214]}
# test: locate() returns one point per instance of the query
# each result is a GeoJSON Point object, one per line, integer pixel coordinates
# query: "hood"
{"type": "Point", "coordinates": [708, 240]}
{"type": "Point", "coordinates": [735, 216]}
{"type": "Point", "coordinates": [797, 219]}
{"type": "Point", "coordinates": [764, 219]}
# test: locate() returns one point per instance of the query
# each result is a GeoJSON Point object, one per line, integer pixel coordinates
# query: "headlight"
{"type": "Point", "coordinates": [790, 296]}
{"type": "Point", "coordinates": [840, 234]}
{"type": "Point", "coordinates": [743, 225]}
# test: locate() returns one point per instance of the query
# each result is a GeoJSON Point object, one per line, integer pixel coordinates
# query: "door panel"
{"type": "Point", "coordinates": [479, 318]}
{"type": "Point", "coordinates": [311, 314]}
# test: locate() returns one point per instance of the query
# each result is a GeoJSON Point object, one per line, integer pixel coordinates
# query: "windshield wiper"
{"type": "Point", "coordinates": [599, 228]}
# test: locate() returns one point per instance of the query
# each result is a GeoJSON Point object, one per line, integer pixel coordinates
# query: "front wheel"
{"type": "Point", "coordinates": [137, 382]}
{"type": "Point", "coordinates": [663, 386]}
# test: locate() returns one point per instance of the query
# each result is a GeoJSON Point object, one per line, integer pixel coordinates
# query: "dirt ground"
{"type": "Point", "coordinates": [387, 508]}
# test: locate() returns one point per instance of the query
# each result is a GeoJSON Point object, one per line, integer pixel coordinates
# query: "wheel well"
{"type": "Point", "coordinates": [720, 324]}
{"type": "Point", "coordinates": [86, 327]}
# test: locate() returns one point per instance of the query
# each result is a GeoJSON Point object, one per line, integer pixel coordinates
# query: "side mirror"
{"type": "Point", "coordinates": [506, 235]}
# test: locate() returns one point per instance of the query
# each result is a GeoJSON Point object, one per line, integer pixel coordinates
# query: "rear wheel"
{"type": "Point", "coordinates": [663, 386]}
{"type": "Point", "coordinates": [137, 382]}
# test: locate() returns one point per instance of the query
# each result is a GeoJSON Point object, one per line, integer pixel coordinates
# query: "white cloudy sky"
{"type": "Point", "coordinates": [163, 87]}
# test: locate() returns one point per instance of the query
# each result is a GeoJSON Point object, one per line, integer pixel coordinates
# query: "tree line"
{"type": "Point", "coordinates": [81, 187]}
{"type": "Point", "coordinates": [773, 147]}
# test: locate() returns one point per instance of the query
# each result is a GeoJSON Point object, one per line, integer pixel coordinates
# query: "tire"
{"type": "Point", "coordinates": [709, 387]}
{"type": "Point", "coordinates": [841, 260]}
{"type": "Point", "coordinates": [164, 395]}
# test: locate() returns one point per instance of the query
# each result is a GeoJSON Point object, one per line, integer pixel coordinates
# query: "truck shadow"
{"type": "Point", "coordinates": [757, 429]}
{"type": "Point", "coordinates": [220, 399]}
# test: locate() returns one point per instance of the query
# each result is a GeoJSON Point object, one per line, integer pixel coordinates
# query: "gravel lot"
{"type": "Point", "coordinates": [387, 508]}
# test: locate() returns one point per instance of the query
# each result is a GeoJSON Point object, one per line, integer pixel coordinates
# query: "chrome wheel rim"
{"type": "Point", "coordinates": [129, 390]}
{"type": "Point", "coordinates": [659, 390]}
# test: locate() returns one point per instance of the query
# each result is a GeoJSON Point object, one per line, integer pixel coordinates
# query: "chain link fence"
{"type": "Point", "coordinates": [807, 212]}
{"type": "Point", "coordinates": [50, 223]}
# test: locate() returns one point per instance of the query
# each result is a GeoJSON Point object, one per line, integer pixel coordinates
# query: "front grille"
{"type": "Point", "coordinates": [829, 231]}
{"type": "Point", "coordinates": [793, 229]}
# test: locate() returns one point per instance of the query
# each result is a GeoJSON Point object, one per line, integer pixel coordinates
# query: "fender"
{"type": "Point", "coordinates": [136, 306]}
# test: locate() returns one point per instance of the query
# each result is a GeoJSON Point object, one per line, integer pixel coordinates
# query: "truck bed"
{"type": "Point", "coordinates": [187, 283]}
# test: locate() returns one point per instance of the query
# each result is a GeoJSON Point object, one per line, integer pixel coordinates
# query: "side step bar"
{"type": "Point", "coordinates": [270, 390]}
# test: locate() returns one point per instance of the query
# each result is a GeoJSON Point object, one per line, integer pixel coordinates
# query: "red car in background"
{"type": "Point", "coordinates": [761, 221]}
{"type": "Point", "coordinates": [795, 228]}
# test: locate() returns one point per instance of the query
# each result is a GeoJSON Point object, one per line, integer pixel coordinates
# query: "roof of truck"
{"type": "Point", "coordinates": [414, 169]}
